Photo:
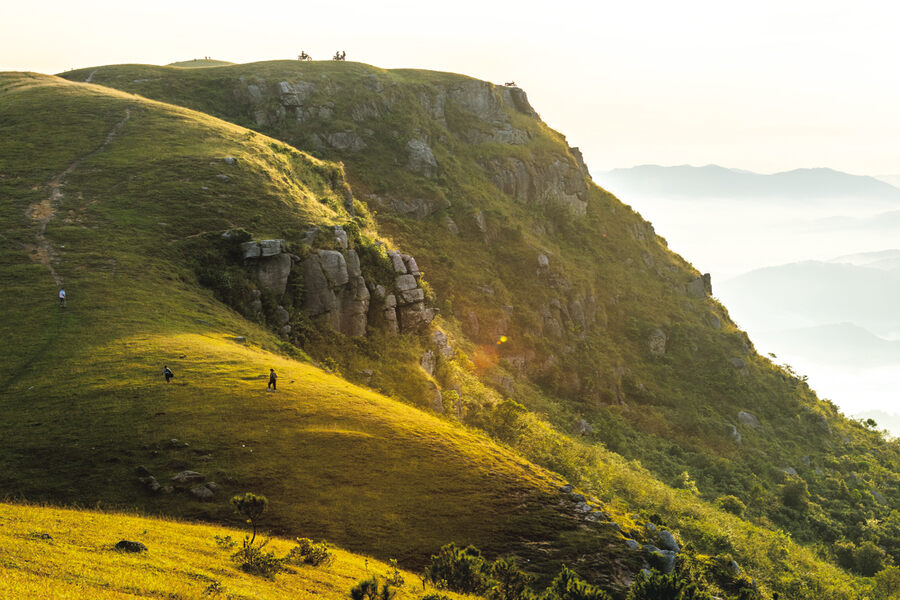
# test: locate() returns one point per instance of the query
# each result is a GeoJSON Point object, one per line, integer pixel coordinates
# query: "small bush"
{"type": "Point", "coordinates": [256, 561]}
{"type": "Point", "coordinates": [731, 504]}
{"type": "Point", "coordinates": [568, 586]}
{"type": "Point", "coordinates": [458, 569]}
{"type": "Point", "coordinates": [396, 577]}
{"type": "Point", "coordinates": [225, 542]}
{"type": "Point", "coordinates": [310, 552]}
{"type": "Point", "coordinates": [509, 582]}
{"type": "Point", "coordinates": [368, 589]}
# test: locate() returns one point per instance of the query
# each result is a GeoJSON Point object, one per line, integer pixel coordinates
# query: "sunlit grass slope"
{"type": "Point", "coordinates": [78, 561]}
{"type": "Point", "coordinates": [82, 400]}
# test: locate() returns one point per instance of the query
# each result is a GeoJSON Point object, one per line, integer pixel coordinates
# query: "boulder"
{"type": "Point", "coordinates": [439, 339]}
{"type": "Point", "coordinates": [281, 316]}
{"type": "Point", "coordinates": [749, 419]}
{"type": "Point", "coordinates": [188, 477]}
{"type": "Point", "coordinates": [738, 363]}
{"type": "Point", "coordinates": [567, 489]}
{"type": "Point", "coordinates": [334, 266]}
{"type": "Point", "coordinates": [405, 282]}
{"type": "Point", "coordinates": [202, 493]}
{"type": "Point", "coordinates": [151, 484]}
{"type": "Point", "coordinates": [271, 247]}
{"type": "Point", "coordinates": [129, 546]}
{"type": "Point", "coordinates": [414, 317]}
{"type": "Point", "coordinates": [411, 267]}
{"type": "Point", "coordinates": [411, 296]}
{"type": "Point", "coordinates": [397, 262]}
{"type": "Point", "coordinates": [632, 544]}
{"type": "Point", "coordinates": [250, 249]}
{"type": "Point", "coordinates": [700, 287]}
{"type": "Point", "coordinates": [667, 541]}
{"type": "Point", "coordinates": [354, 308]}
{"type": "Point", "coordinates": [272, 272]}
{"type": "Point", "coordinates": [223, 177]}
{"type": "Point", "coordinates": [543, 261]}
{"type": "Point", "coordinates": [420, 158]}
{"type": "Point", "coordinates": [657, 342]}
{"type": "Point", "coordinates": [341, 236]}
{"type": "Point", "coordinates": [735, 434]}
{"type": "Point", "coordinates": [230, 160]}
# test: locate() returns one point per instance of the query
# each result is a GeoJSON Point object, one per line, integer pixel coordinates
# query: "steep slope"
{"type": "Point", "coordinates": [68, 554]}
{"type": "Point", "coordinates": [108, 192]}
{"type": "Point", "coordinates": [565, 299]}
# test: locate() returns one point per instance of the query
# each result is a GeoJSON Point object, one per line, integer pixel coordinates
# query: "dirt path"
{"type": "Point", "coordinates": [91, 76]}
{"type": "Point", "coordinates": [42, 212]}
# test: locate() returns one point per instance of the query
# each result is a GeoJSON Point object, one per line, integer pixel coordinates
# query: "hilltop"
{"type": "Point", "coordinates": [200, 62]}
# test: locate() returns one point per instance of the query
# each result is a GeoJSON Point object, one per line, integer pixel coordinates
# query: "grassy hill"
{"type": "Point", "coordinates": [558, 359]}
{"type": "Point", "coordinates": [83, 401]}
{"type": "Point", "coordinates": [78, 560]}
{"type": "Point", "coordinates": [604, 326]}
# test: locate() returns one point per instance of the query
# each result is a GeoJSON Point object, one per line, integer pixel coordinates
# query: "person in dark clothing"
{"type": "Point", "coordinates": [272, 379]}
{"type": "Point", "coordinates": [167, 373]}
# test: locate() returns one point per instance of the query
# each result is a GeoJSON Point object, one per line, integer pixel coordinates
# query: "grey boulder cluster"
{"type": "Point", "coordinates": [336, 294]}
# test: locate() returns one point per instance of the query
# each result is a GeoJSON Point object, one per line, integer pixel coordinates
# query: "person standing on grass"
{"type": "Point", "coordinates": [62, 297]}
{"type": "Point", "coordinates": [167, 373]}
{"type": "Point", "coordinates": [272, 379]}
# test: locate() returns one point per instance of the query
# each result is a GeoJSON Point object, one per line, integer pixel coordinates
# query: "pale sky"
{"type": "Point", "coordinates": [760, 85]}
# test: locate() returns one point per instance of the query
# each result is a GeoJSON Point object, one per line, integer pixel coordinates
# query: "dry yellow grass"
{"type": "Point", "coordinates": [183, 561]}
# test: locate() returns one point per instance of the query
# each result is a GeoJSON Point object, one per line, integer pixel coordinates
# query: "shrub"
{"type": "Point", "coordinates": [458, 570]}
{"type": "Point", "coordinates": [508, 581]}
{"type": "Point", "coordinates": [310, 552]}
{"type": "Point", "coordinates": [435, 596]}
{"type": "Point", "coordinates": [869, 559]}
{"type": "Point", "coordinates": [251, 507]}
{"type": "Point", "coordinates": [225, 542]}
{"type": "Point", "coordinates": [368, 589]}
{"type": "Point", "coordinates": [659, 586]}
{"type": "Point", "coordinates": [396, 577]}
{"type": "Point", "coordinates": [568, 586]}
{"type": "Point", "coordinates": [795, 493]}
{"type": "Point", "coordinates": [253, 559]}
{"type": "Point", "coordinates": [732, 504]}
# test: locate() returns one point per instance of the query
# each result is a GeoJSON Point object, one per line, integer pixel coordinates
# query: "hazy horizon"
{"type": "Point", "coordinates": [763, 87]}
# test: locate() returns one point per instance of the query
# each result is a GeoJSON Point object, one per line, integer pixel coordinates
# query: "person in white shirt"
{"type": "Point", "coordinates": [62, 297]}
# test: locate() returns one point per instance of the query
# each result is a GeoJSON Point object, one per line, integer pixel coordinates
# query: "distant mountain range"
{"type": "Point", "coordinates": [814, 293]}
{"type": "Point", "coordinates": [713, 181]}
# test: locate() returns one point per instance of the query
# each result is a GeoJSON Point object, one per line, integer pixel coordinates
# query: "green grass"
{"type": "Point", "coordinates": [183, 561]}
{"type": "Point", "coordinates": [369, 472]}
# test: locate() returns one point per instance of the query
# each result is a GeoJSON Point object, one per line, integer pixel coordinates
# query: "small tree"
{"type": "Point", "coordinates": [509, 582]}
{"type": "Point", "coordinates": [458, 569]}
{"type": "Point", "coordinates": [251, 507]}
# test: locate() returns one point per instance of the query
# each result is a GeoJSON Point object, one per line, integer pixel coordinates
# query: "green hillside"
{"type": "Point", "coordinates": [84, 404]}
{"type": "Point", "coordinates": [570, 346]}
{"type": "Point", "coordinates": [608, 333]}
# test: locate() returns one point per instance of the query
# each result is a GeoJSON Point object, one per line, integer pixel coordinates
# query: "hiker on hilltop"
{"type": "Point", "coordinates": [167, 373]}
{"type": "Point", "coordinates": [62, 297]}
{"type": "Point", "coordinates": [273, 378]}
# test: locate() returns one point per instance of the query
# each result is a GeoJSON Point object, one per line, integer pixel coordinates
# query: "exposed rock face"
{"type": "Point", "coordinates": [700, 287]}
{"type": "Point", "coordinates": [556, 183]}
{"type": "Point", "coordinates": [335, 291]}
{"type": "Point", "coordinates": [421, 158]}
{"type": "Point", "coordinates": [345, 140]}
{"type": "Point", "coordinates": [272, 273]}
{"type": "Point", "coordinates": [657, 342]}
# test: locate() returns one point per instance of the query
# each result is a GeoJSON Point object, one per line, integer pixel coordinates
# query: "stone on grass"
{"type": "Point", "coordinates": [129, 546]}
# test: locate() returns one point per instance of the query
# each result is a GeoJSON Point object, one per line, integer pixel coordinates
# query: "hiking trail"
{"type": "Point", "coordinates": [42, 212]}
